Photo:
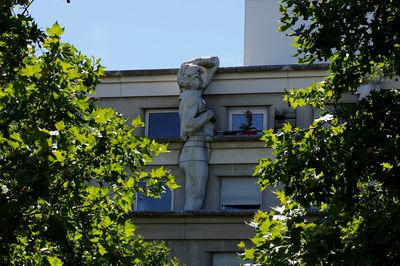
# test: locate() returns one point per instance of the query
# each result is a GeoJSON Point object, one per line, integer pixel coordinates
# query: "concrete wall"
{"type": "Point", "coordinates": [263, 44]}
{"type": "Point", "coordinates": [133, 92]}
{"type": "Point", "coordinates": [195, 237]}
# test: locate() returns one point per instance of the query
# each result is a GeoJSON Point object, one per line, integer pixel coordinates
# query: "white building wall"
{"type": "Point", "coordinates": [263, 44]}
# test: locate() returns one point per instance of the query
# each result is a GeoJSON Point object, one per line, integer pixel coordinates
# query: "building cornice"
{"type": "Point", "coordinates": [238, 69]}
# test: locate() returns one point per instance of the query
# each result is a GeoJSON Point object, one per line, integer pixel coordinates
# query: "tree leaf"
{"type": "Point", "coordinates": [55, 30]}
{"type": "Point", "coordinates": [101, 249]}
{"type": "Point", "coordinates": [54, 261]}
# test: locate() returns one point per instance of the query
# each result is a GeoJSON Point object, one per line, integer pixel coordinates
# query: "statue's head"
{"type": "Point", "coordinates": [191, 76]}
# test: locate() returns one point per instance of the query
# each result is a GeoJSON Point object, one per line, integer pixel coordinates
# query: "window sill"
{"type": "Point", "coordinates": [215, 138]}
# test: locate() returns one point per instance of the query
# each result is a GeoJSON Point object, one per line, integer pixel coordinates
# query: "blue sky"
{"type": "Point", "coordinates": [147, 34]}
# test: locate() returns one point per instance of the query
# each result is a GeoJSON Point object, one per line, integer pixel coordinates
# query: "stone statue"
{"type": "Point", "coordinates": [197, 126]}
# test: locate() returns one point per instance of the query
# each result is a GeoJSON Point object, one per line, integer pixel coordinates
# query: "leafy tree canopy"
{"type": "Point", "coordinates": [359, 39]}
{"type": "Point", "coordinates": [69, 170]}
{"type": "Point", "coordinates": [340, 203]}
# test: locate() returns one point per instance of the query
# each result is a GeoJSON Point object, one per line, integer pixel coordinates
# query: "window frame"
{"type": "Point", "coordinates": [159, 110]}
{"type": "Point", "coordinates": [217, 257]}
{"type": "Point", "coordinates": [242, 110]}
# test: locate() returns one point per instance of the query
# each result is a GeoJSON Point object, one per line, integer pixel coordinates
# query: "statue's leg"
{"type": "Point", "coordinates": [201, 180]}
{"type": "Point", "coordinates": [188, 185]}
{"type": "Point", "coordinates": [196, 173]}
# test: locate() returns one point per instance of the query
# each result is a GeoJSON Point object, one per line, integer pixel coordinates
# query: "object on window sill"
{"type": "Point", "coordinates": [248, 132]}
{"type": "Point", "coordinates": [229, 133]}
{"type": "Point", "coordinates": [239, 132]}
{"type": "Point", "coordinates": [248, 125]}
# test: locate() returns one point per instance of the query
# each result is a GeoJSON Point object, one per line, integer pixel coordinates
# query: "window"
{"type": "Point", "coordinates": [239, 193]}
{"type": "Point", "coordinates": [283, 116]}
{"type": "Point", "coordinates": [320, 112]}
{"type": "Point", "coordinates": [226, 259]}
{"type": "Point", "coordinates": [145, 203]}
{"type": "Point", "coordinates": [247, 118]}
{"type": "Point", "coordinates": [162, 123]}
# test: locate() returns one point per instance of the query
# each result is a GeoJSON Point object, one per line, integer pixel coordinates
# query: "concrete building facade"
{"type": "Point", "coordinates": [209, 236]}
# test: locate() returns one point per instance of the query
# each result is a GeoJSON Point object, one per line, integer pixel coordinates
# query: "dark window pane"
{"type": "Point", "coordinates": [163, 125]}
{"type": "Point", "coordinates": [240, 207]}
{"type": "Point", "coordinates": [145, 203]}
{"type": "Point", "coordinates": [237, 121]}
{"type": "Point", "coordinates": [258, 121]}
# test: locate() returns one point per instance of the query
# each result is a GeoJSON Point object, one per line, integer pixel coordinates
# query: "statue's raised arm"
{"type": "Point", "coordinates": [210, 65]}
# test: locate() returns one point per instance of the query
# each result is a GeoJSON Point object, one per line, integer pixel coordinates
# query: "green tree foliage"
{"type": "Point", "coordinates": [340, 203]}
{"type": "Point", "coordinates": [69, 170]}
{"type": "Point", "coordinates": [359, 38]}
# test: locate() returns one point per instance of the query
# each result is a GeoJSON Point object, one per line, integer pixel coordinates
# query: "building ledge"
{"type": "Point", "coordinates": [233, 150]}
{"type": "Point", "coordinates": [191, 225]}
{"type": "Point", "coordinates": [199, 213]}
{"type": "Point", "coordinates": [217, 138]}
{"type": "Point", "coordinates": [237, 69]}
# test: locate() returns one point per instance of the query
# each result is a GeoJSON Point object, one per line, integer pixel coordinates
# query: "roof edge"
{"type": "Point", "coordinates": [238, 69]}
